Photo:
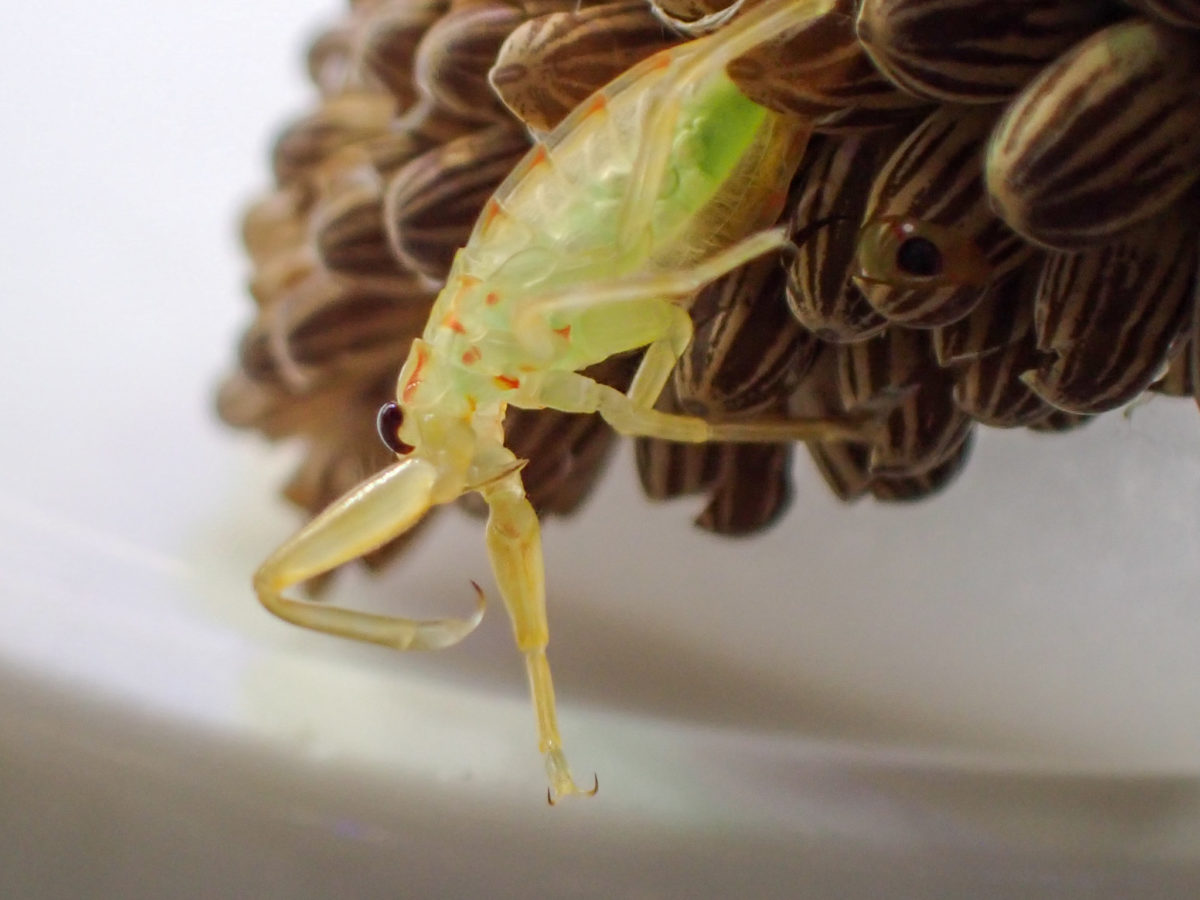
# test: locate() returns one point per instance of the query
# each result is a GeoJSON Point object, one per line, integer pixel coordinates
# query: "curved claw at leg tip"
{"type": "Point", "coordinates": [480, 606]}
{"type": "Point", "coordinates": [438, 634]}
{"type": "Point", "coordinates": [592, 793]}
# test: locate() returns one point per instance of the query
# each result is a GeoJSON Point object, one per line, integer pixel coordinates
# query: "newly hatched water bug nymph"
{"type": "Point", "coordinates": [593, 246]}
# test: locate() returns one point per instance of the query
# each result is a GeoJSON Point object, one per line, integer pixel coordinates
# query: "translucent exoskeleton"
{"type": "Point", "coordinates": [595, 244]}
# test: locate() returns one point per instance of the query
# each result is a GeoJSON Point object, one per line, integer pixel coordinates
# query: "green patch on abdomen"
{"type": "Point", "coordinates": [718, 129]}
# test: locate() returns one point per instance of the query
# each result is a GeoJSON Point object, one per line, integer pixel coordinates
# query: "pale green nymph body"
{"type": "Point", "coordinates": [561, 220]}
{"type": "Point", "coordinates": [594, 245]}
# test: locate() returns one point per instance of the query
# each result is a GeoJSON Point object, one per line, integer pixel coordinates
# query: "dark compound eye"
{"type": "Point", "coordinates": [919, 256]}
{"type": "Point", "coordinates": [389, 420]}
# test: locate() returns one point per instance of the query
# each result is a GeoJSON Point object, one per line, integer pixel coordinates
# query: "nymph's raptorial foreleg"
{"type": "Point", "coordinates": [366, 518]}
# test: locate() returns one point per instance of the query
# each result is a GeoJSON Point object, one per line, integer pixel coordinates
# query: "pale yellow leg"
{"type": "Point", "coordinates": [659, 360]}
{"type": "Point", "coordinates": [628, 418]}
{"type": "Point", "coordinates": [370, 515]}
{"type": "Point", "coordinates": [515, 546]}
{"type": "Point", "coordinates": [572, 392]}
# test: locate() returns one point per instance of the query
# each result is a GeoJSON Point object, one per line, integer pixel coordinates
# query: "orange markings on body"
{"type": "Point", "coordinates": [471, 356]}
{"type": "Point", "coordinates": [465, 283]}
{"type": "Point", "coordinates": [507, 383]}
{"type": "Point", "coordinates": [526, 367]}
{"type": "Point", "coordinates": [565, 332]}
{"type": "Point", "coordinates": [599, 104]}
{"type": "Point", "coordinates": [414, 380]}
{"type": "Point", "coordinates": [539, 156]}
{"type": "Point", "coordinates": [492, 299]}
{"type": "Point", "coordinates": [490, 212]}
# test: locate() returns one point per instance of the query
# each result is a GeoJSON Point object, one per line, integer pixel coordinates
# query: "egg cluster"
{"type": "Point", "coordinates": [995, 223]}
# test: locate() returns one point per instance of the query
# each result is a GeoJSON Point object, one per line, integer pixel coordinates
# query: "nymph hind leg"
{"type": "Point", "coordinates": [515, 547]}
{"type": "Point", "coordinates": [660, 358]}
{"type": "Point", "coordinates": [628, 326]}
{"type": "Point", "coordinates": [572, 392]}
{"type": "Point", "coordinates": [367, 517]}
{"type": "Point", "coordinates": [628, 313]}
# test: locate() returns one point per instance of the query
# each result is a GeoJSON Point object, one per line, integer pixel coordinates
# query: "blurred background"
{"type": "Point", "coordinates": [991, 693]}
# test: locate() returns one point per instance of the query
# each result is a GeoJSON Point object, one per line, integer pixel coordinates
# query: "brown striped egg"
{"type": "Point", "coordinates": [339, 122]}
{"type": "Point", "coordinates": [846, 470]}
{"type": "Point", "coordinates": [1103, 140]}
{"type": "Point", "coordinates": [929, 245]}
{"type": "Point", "coordinates": [909, 488]}
{"type": "Point", "coordinates": [324, 332]}
{"type": "Point", "coordinates": [389, 44]}
{"type": "Point", "coordinates": [1180, 13]}
{"type": "Point", "coordinates": [276, 223]}
{"type": "Point", "coordinates": [455, 54]}
{"type": "Point", "coordinates": [748, 485]}
{"type": "Point", "coordinates": [965, 51]}
{"type": "Point", "coordinates": [822, 74]}
{"type": "Point", "coordinates": [845, 467]}
{"type": "Point", "coordinates": [329, 59]}
{"type": "Point", "coordinates": [990, 390]}
{"type": "Point", "coordinates": [431, 204]}
{"type": "Point", "coordinates": [830, 195]}
{"type": "Point", "coordinates": [890, 362]}
{"type": "Point", "coordinates": [989, 350]}
{"type": "Point", "coordinates": [924, 430]}
{"type": "Point", "coordinates": [746, 352]}
{"type": "Point", "coordinates": [347, 226]}
{"type": "Point", "coordinates": [843, 464]}
{"type": "Point", "coordinates": [897, 369]}
{"type": "Point", "coordinates": [548, 65]}
{"type": "Point", "coordinates": [752, 490]}
{"type": "Point", "coordinates": [1109, 316]}
{"type": "Point", "coordinates": [668, 469]}
{"type": "Point", "coordinates": [1003, 316]}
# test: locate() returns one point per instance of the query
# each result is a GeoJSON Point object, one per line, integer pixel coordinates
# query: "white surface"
{"type": "Point", "coordinates": [991, 694]}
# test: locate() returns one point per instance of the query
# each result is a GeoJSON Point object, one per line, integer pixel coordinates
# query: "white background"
{"type": "Point", "coordinates": [995, 692]}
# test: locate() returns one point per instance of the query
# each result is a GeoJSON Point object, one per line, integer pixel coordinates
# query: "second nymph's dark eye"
{"type": "Point", "coordinates": [389, 420]}
{"type": "Point", "coordinates": [919, 256]}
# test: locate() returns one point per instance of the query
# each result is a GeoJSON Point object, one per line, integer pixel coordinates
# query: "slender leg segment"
{"type": "Point", "coordinates": [659, 360]}
{"type": "Point", "coordinates": [633, 413]}
{"type": "Point", "coordinates": [515, 546]}
{"type": "Point", "coordinates": [572, 392]}
{"type": "Point", "coordinates": [370, 515]}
